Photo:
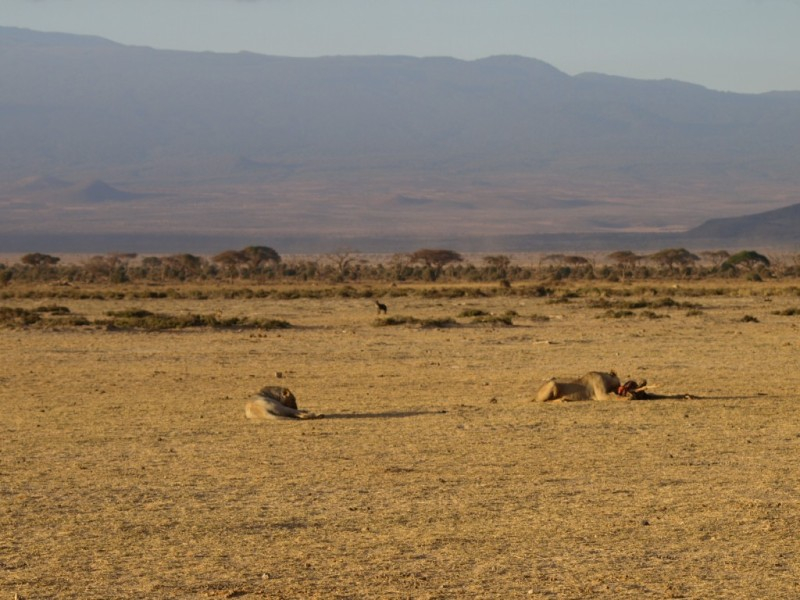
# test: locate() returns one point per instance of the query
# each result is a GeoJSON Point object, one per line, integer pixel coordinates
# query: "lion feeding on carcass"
{"type": "Point", "coordinates": [598, 385]}
{"type": "Point", "coordinates": [595, 385]}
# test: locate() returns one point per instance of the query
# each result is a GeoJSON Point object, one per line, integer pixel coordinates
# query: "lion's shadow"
{"type": "Point", "coordinates": [694, 397]}
{"type": "Point", "coordinates": [385, 415]}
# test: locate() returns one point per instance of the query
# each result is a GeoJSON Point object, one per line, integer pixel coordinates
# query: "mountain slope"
{"type": "Point", "coordinates": [227, 143]}
{"type": "Point", "coordinates": [782, 224]}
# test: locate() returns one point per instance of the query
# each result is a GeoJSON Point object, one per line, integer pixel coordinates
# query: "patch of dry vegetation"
{"type": "Point", "coordinates": [138, 319]}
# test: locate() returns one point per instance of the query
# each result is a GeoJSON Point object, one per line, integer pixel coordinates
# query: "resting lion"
{"type": "Point", "coordinates": [592, 386]}
{"type": "Point", "coordinates": [275, 401]}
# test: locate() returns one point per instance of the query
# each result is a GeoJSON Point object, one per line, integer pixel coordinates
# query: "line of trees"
{"type": "Point", "coordinates": [264, 264]}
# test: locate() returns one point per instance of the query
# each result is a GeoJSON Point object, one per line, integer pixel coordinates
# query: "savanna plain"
{"type": "Point", "coordinates": [128, 468]}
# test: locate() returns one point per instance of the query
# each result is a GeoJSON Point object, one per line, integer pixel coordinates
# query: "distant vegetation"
{"type": "Point", "coordinates": [135, 319]}
{"type": "Point", "coordinates": [618, 285]}
{"type": "Point", "coordinates": [264, 265]}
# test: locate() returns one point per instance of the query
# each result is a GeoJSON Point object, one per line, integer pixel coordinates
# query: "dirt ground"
{"type": "Point", "coordinates": [128, 469]}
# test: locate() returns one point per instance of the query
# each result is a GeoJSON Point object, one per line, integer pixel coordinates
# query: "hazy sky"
{"type": "Point", "coordinates": [736, 45]}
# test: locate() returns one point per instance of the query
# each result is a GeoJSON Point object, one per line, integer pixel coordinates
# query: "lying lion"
{"type": "Point", "coordinates": [595, 385]}
{"type": "Point", "coordinates": [275, 401]}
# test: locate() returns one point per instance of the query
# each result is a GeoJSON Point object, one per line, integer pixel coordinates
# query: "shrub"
{"type": "Point", "coordinates": [395, 320]}
{"type": "Point", "coordinates": [269, 324]}
{"type": "Point", "coordinates": [52, 309]}
{"type": "Point", "coordinates": [494, 320]}
{"type": "Point", "coordinates": [539, 318]}
{"type": "Point", "coordinates": [423, 323]}
{"type": "Point", "coordinates": [617, 314]}
{"type": "Point", "coordinates": [131, 313]}
{"type": "Point", "coordinates": [472, 312]}
{"type": "Point", "coordinates": [18, 317]}
{"type": "Point", "coordinates": [649, 314]}
{"type": "Point", "coordinates": [436, 323]}
{"type": "Point", "coordinates": [143, 319]}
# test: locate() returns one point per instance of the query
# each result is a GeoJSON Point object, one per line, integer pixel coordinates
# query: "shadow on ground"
{"type": "Point", "coordinates": [385, 415]}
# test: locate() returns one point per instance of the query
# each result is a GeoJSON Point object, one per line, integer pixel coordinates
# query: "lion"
{"type": "Point", "coordinates": [275, 401]}
{"type": "Point", "coordinates": [595, 385]}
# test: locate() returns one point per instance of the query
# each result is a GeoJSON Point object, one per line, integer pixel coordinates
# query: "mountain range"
{"type": "Point", "coordinates": [104, 145]}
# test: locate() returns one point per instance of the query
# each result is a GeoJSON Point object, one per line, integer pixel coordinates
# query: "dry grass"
{"type": "Point", "coordinates": [128, 470]}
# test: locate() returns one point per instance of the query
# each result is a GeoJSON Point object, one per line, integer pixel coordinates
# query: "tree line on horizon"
{"type": "Point", "coordinates": [264, 264]}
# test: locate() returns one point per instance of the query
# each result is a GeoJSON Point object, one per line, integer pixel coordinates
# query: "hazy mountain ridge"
{"type": "Point", "coordinates": [122, 103]}
{"type": "Point", "coordinates": [780, 224]}
{"type": "Point", "coordinates": [15, 36]}
{"type": "Point", "coordinates": [325, 146]}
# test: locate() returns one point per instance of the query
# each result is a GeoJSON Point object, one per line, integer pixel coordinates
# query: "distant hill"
{"type": "Point", "coordinates": [349, 148]}
{"type": "Point", "coordinates": [100, 191]}
{"type": "Point", "coordinates": [781, 225]}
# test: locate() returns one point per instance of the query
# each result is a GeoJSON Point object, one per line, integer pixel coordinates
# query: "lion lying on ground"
{"type": "Point", "coordinates": [595, 385]}
{"type": "Point", "coordinates": [275, 401]}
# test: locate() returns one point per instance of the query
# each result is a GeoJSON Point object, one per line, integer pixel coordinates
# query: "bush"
{"type": "Point", "coordinates": [494, 320]}
{"type": "Point", "coordinates": [437, 323]}
{"type": "Point", "coordinates": [133, 313]}
{"type": "Point", "coordinates": [18, 317]}
{"type": "Point", "coordinates": [145, 320]}
{"type": "Point", "coordinates": [423, 323]}
{"type": "Point", "coordinates": [52, 309]}
{"type": "Point", "coordinates": [472, 312]}
{"type": "Point", "coordinates": [618, 314]}
{"type": "Point", "coordinates": [395, 320]}
{"type": "Point", "coordinates": [649, 314]}
{"type": "Point", "coordinates": [60, 316]}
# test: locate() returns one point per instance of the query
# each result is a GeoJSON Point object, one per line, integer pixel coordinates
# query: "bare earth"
{"type": "Point", "coordinates": [128, 469]}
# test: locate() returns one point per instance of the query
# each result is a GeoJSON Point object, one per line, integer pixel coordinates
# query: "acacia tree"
{"type": "Point", "coordinates": [566, 265]}
{"type": "Point", "coordinates": [253, 258]}
{"type": "Point", "coordinates": [343, 259]}
{"type": "Point", "coordinates": [748, 259]}
{"type": "Point", "coordinates": [183, 266]}
{"type": "Point", "coordinates": [576, 260]}
{"type": "Point", "coordinates": [37, 259]}
{"type": "Point", "coordinates": [113, 267]}
{"type": "Point", "coordinates": [674, 258]}
{"type": "Point", "coordinates": [716, 257]}
{"type": "Point", "coordinates": [97, 268]}
{"type": "Point", "coordinates": [399, 264]}
{"type": "Point", "coordinates": [258, 256]}
{"type": "Point", "coordinates": [119, 263]}
{"type": "Point", "coordinates": [40, 264]}
{"type": "Point", "coordinates": [153, 267]}
{"type": "Point", "coordinates": [625, 260]}
{"type": "Point", "coordinates": [500, 264]}
{"type": "Point", "coordinates": [435, 259]}
{"type": "Point", "coordinates": [230, 260]}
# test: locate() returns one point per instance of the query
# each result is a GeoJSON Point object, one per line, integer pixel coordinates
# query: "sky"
{"type": "Point", "coordinates": [747, 46]}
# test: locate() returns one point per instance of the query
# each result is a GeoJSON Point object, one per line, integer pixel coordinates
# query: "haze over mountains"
{"type": "Point", "coordinates": [111, 147]}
